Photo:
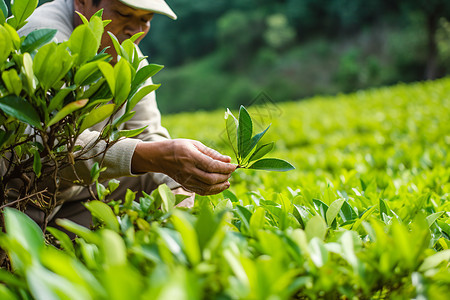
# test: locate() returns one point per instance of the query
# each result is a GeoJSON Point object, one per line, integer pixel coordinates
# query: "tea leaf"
{"type": "Point", "coordinates": [333, 210]}
{"type": "Point", "coordinates": [231, 126]}
{"type": "Point", "coordinates": [21, 110]}
{"type": "Point", "coordinates": [37, 39]}
{"type": "Point", "coordinates": [58, 99]}
{"type": "Point", "coordinates": [122, 77]}
{"type": "Point", "coordinates": [143, 74]}
{"type": "Point", "coordinates": [6, 45]}
{"type": "Point", "coordinates": [254, 141]}
{"type": "Point", "coordinates": [244, 131]}
{"type": "Point", "coordinates": [103, 212]}
{"type": "Point", "coordinates": [167, 197]}
{"type": "Point", "coordinates": [272, 164]}
{"type": "Point", "coordinates": [188, 235]}
{"type": "Point", "coordinates": [63, 239]}
{"type": "Point", "coordinates": [66, 110]}
{"type": "Point", "coordinates": [127, 133]}
{"type": "Point", "coordinates": [23, 229]}
{"type": "Point", "coordinates": [97, 115]}
{"type": "Point", "coordinates": [261, 151]}
{"type": "Point", "coordinates": [144, 91]}
{"type": "Point", "coordinates": [108, 72]}
{"type": "Point", "coordinates": [3, 11]}
{"type": "Point", "coordinates": [12, 81]}
{"type": "Point", "coordinates": [37, 164]}
{"type": "Point", "coordinates": [316, 227]}
{"type": "Point", "coordinates": [84, 43]}
{"type": "Point", "coordinates": [22, 10]}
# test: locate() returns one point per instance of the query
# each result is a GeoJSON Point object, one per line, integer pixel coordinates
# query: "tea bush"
{"type": "Point", "coordinates": [364, 215]}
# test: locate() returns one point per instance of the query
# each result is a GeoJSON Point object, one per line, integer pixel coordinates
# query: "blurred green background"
{"type": "Point", "coordinates": [223, 53]}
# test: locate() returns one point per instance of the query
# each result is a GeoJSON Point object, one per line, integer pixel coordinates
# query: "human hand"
{"type": "Point", "coordinates": [196, 167]}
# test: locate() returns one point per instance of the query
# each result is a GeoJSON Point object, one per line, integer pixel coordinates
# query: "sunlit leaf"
{"type": "Point", "coordinates": [97, 115]}
{"type": "Point", "coordinates": [272, 164]}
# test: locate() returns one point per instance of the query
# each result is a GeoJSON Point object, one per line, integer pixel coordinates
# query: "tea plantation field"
{"type": "Point", "coordinates": [365, 214]}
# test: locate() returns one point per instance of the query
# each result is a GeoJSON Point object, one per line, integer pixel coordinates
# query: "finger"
{"type": "Point", "coordinates": [213, 153]}
{"type": "Point", "coordinates": [210, 178]}
{"type": "Point", "coordinates": [205, 189]}
{"type": "Point", "coordinates": [210, 165]}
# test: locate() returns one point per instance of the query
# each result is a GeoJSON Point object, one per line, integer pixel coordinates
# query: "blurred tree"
{"type": "Point", "coordinates": [432, 11]}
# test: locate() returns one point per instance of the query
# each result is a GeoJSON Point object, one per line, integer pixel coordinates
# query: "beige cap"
{"type": "Point", "coordinates": [157, 6]}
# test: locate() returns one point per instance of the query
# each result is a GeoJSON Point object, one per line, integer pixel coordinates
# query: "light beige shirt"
{"type": "Point", "coordinates": [59, 15]}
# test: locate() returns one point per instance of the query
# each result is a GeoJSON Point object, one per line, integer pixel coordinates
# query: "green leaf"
{"type": "Point", "coordinates": [108, 72]}
{"type": "Point", "coordinates": [15, 38]}
{"type": "Point", "coordinates": [9, 279]}
{"type": "Point", "coordinates": [22, 228]}
{"type": "Point", "coordinates": [63, 238]}
{"type": "Point", "coordinates": [143, 74]}
{"type": "Point", "coordinates": [84, 43]}
{"type": "Point", "coordinates": [347, 213]}
{"type": "Point", "coordinates": [124, 118]}
{"type": "Point", "coordinates": [122, 76]}
{"type": "Point", "coordinates": [103, 212]}
{"type": "Point", "coordinates": [85, 71]}
{"type": "Point", "coordinates": [318, 252]}
{"type": "Point", "coordinates": [144, 91]}
{"type": "Point", "coordinates": [58, 99]}
{"type": "Point", "coordinates": [167, 197]}
{"type": "Point", "coordinates": [272, 164]}
{"type": "Point", "coordinates": [3, 11]}
{"type": "Point", "coordinates": [244, 215]}
{"type": "Point", "coordinates": [83, 18]}
{"type": "Point", "coordinates": [116, 43]}
{"type": "Point", "coordinates": [98, 14]}
{"type": "Point", "coordinates": [316, 227]}
{"type": "Point", "coordinates": [136, 36]}
{"type": "Point", "coordinates": [66, 110]}
{"type": "Point", "coordinates": [435, 260]}
{"type": "Point", "coordinates": [29, 74]}
{"type": "Point", "coordinates": [127, 133]}
{"type": "Point", "coordinates": [12, 81]}
{"type": "Point", "coordinates": [37, 164]}
{"type": "Point", "coordinates": [6, 45]}
{"type": "Point", "coordinates": [97, 115]}
{"type": "Point", "coordinates": [114, 249]}
{"type": "Point", "coordinates": [51, 64]}
{"type": "Point", "coordinates": [333, 210]}
{"type": "Point", "coordinates": [79, 230]}
{"type": "Point", "coordinates": [37, 39]}
{"type": "Point", "coordinates": [231, 124]}
{"type": "Point", "coordinates": [261, 151]}
{"type": "Point", "coordinates": [244, 131]}
{"type": "Point", "coordinates": [20, 109]}
{"type": "Point", "coordinates": [22, 9]}
{"type": "Point", "coordinates": [254, 141]}
{"type": "Point", "coordinates": [188, 235]}
{"type": "Point", "coordinates": [257, 220]}
{"type": "Point", "coordinates": [229, 194]}
{"type": "Point", "coordinates": [96, 25]}
{"type": "Point", "coordinates": [128, 49]}
{"type": "Point", "coordinates": [433, 217]}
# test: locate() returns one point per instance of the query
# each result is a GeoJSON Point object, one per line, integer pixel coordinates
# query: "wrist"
{"type": "Point", "coordinates": [149, 156]}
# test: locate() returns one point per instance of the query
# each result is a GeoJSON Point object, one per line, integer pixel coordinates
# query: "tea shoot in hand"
{"type": "Point", "coordinates": [247, 148]}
